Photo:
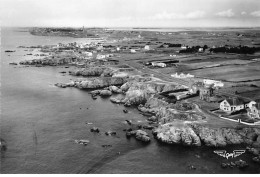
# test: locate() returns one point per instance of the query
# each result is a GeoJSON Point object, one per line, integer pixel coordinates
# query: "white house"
{"type": "Point", "coordinates": [89, 54]}
{"type": "Point", "coordinates": [183, 47]}
{"type": "Point", "coordinates": [147, 47]}
{"type": "Point", "coordinates": [133, 51]}
{"type": "Point", "coordinates": [99, 56]}
{"type": "Point", "coordinates": [213, 82]}
{"type": "Point", "coordinates": [201, 50]}
{"type": "Point", "coordinates": [232, 105]}
{"type": "Point", "coordinates": [163, 65]}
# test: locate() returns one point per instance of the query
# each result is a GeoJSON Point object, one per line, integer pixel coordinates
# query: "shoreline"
{"type": "Point", "coordinates": [138, 91]}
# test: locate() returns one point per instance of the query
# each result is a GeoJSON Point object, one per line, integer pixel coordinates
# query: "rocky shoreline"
{"type": "Point", "coordinates": [171, 121]}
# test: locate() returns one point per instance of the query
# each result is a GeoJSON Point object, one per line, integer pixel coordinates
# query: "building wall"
{"type": "Point", "coordinates": [224, 105]}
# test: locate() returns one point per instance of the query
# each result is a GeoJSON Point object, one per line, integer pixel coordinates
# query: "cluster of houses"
{"type": "Point", "coordinates": [232, 105]}
{"type": "Point", "coordinates": [176, 75]}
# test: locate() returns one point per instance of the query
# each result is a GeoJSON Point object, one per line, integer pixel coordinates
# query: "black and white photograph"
{"type": "Point", "coordinates": [130, 87]}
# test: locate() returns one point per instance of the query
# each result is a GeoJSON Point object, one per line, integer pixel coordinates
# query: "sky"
{"type": "Point", "coordinates": [130, 13]}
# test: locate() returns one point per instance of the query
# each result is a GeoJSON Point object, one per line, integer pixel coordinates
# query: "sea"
{"type": "Point", "coordinates": [40, 123]}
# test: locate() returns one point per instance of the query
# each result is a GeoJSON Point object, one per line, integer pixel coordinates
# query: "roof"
{"type": "Point", "coordinates": [257, 100]}
{"type": "Point", "coordinates": [235, 101]}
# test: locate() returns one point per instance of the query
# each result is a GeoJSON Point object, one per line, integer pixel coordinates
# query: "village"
{"type": "Point", "coordinates": [136, 51]}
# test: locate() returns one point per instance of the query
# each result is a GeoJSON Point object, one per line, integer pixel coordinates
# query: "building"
{"type": "Point", "coordinates": [200, 50]}
{"type": "Point", "coordinates": [253, 110]}
{"type": "Point", "coordinates": [133, 51]}
{"type": "Point", "coordinates": [147, 47]}
{"type": "Point", "coordinates": [213, 82]}
{"type": "Point", "coordinates": [232, 105]}
{"type": "Point", "coordinates": [194, 88]}
{"type": "Point", "coordinates": [89, 54]}
{"type": "Point", "coordinates": [183, 47]}
{"type": "Point", "coordinates": [205, 93]}
{"type": "Point", "coordinates": [176, 75]}
{"type": "Point", "coordinates": [162, 65]}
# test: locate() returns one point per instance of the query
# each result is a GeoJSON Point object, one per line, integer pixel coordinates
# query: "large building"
{"type": "Point", "coordinates": [232, 105]}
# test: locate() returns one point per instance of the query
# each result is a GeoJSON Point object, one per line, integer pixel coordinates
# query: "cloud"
{"type": "Point", "coordinates": [243, 13]}
{"type": "Point", "coordinates": [255, 13]}
{"type": "Point", "coordinates": [227, 13]}
{"type": "Point", "coordinates": [169, 16]}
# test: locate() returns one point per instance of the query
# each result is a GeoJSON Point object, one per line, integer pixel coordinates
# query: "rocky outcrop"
{"type": "Point", "coordinates": [110, 133]}
{"type": "Point", "coordinates": [256, 159]}
{"type": "Point", "coordinates": [47, 61]}
{"type": "Point", "coordinates": [177, 133]}
{"type": "Point", "coordinates": [139, 92]}
{"type": "Point", "coordinates": [139, 135]}
{"type": "Point", "coordinates": [94, 71]}
{"type": "Point", "coordinates": [94, 129]}
{"type": "Point", "coordinates": [105, 93]}
{"type": "Point", "coordinates": [240, 164]}
{"type": "Point", "coordinates": [101, 82]}
{"type": "Point", "coordinates": [195, 134]}
{"type": "Point", "coordinates": [13, 63]}
{"type": "Point", "coordinates": [115, 89]}
{"type": "Point", "coordinates": [167, 112]}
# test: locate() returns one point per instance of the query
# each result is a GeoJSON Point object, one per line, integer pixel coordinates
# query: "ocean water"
{"type": "Point", "coordinates": [40, 122]}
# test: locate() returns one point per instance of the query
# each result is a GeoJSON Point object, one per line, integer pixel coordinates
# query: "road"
{"type": "Point", "coordinates": [165, 77]}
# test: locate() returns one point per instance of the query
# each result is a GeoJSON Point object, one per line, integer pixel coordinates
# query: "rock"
{"type": "Point", "coordinates": [177, 133]}
{"type": "Point", "coordinates": [254, 151]}
{"type": "Point", "coordinates": [105, 93]}
{"type": "Point", "coordinates": [94, 129]}
{"type": "Point", "coordinates": [128, 134]}
{"type": "Point", "coordinates": [70, 84]}
{"type": "Point", "coordinates": [241, 164]}
{"type": "Point", "coordinates": [256, 159]}
{"type": "Point", "coordinates": [197, 155]}
{"type": "Point", "coordinates": [148, 127]}
{"type": "Point", "coordinates": [95, 93]}
{"type": "Point", "coordinates": [61, 85]}
{"type": "Point", "coordinates": [115, 89]}
{"type": "Point", "coordinates": [153, 119]}
{"type": "Point", "coordinates": [125, 111]}
{"type": "Point", "coordinates": [95, 71]}
{"type": "Point", "coordinates": [84, 142]}
{"type": "Point", "coordinates": [106, 145]}
{"type": "Point", "coordinates": [89, 123]}
{"type": "Point", "coordinates": [128, 130]}
{"type": "Point", "coordinates": [224, 165]}
{"type": "Point", "coordinates": [191, 167]}
{"type": "Point", "coordinates": [110, 133]}
{"type": "Point", "coordinates": [129, 122]}
{"type": "Point", "coordinates": [13, 63]}
{"type": "Point", "coordinates": [116, 100]}
{"type": "Point", "coordinates": [63, 72]}
{"type": "Point", "coordinates": [140, 135]}
{"type": "Point", "coordinates": [102, 82]}
{"type": "Point", "coordinates": [217, 137]}
{"type": "Point", "coordinates": [232, 164]}
{"type": "Point", "coordinates": [66, 67]}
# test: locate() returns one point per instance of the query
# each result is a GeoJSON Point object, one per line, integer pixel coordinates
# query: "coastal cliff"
{"type": "Point", "coordinates": [197, 135]}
